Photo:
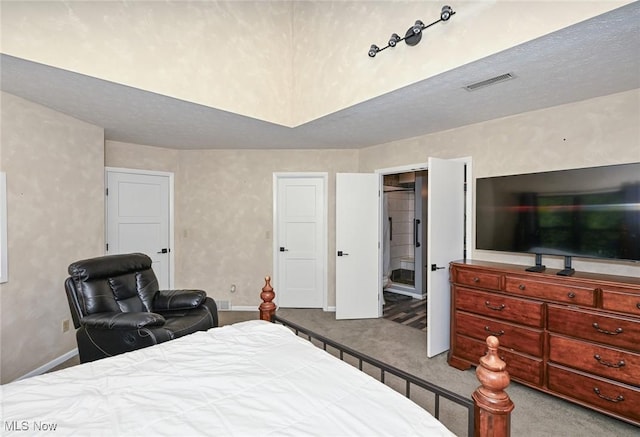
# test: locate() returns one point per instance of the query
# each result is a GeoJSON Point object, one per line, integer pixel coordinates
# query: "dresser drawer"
{"type": "Point", "coordinates": [500, 306]}
{"type": "Point", "coordinates": [572, 294]}
{"type": "Point", "coordinates": [622, 302]}
{"type": "Point", "coordinates": [475, 278]}
{"type": "Point", "coordinates": [615, 398]}
{"type": "Point", "coordinates": [518, 338]}
{"type": "Point", "coordinates": [611, 363]}
{"type": "Point", "coordinates": [617, 331]}
{"type": "Point", "coordinates": [520, 367]}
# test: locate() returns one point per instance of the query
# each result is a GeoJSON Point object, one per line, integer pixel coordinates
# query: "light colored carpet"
{"type": "Point", "coordinates": [535, 414]}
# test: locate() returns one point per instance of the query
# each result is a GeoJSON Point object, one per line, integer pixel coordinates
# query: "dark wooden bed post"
{"type": "Point", "coordinates": [492, 404]}
{"type": "Point", "coordinates": [267, 308]}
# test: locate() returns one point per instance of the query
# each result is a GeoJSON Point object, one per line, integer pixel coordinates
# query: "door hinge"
{"type": "Point", "coordinates": [106, 191]}
{"type": "Point", "coordinates": [107, 247]}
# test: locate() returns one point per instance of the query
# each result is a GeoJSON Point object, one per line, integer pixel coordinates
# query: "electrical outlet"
{"type": "Point", "coordinates": [65, 325]}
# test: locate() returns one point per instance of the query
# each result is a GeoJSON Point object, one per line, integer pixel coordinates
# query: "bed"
{"type": "Point", "coordinates": [247, 379]}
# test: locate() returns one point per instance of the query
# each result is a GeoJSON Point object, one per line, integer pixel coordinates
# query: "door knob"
{"type": "Point", "coordinates": [282, 249]}
{"type": "Point", "coordinates": [341, 253]}
{"type": "Point", "coordinates": [434, 268]}
{"type": "Point", "coordinates": [165, 250]}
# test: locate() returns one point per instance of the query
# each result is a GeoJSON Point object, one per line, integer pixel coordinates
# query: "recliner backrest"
{"type": "Point", "coordinates": [114, 283]}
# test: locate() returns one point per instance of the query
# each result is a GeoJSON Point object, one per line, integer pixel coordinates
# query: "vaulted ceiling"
{"type": "Point", "coordinates": [597, 57]}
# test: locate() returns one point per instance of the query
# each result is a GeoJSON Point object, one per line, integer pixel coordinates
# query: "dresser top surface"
{"type": "Point", "coordinates": [548, 274]}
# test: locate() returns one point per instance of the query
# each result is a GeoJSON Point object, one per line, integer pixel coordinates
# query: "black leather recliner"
{"type": "Point", "coordinates": [116, 306]}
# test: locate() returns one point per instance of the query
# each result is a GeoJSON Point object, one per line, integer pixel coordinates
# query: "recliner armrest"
{"type": "Point", "coordinates": [167, 300]}
{"type": "Point", "coordinates": [116, 320]}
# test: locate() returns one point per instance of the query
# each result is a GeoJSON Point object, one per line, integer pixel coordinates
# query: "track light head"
{"type": "Point", "coordinates": [417, 28]}
{"type": "Point", "coordinates": [395, 39]}
{"type": "Point", "coordinates": [446, 13]}
{"type": "Point", "coordinates": [373, 50]}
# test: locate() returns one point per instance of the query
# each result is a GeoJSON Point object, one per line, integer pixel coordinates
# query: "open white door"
{"type": "Point", "coordinates": [445, 243]}
{"type": "Point", "coordinates": [357, 276]}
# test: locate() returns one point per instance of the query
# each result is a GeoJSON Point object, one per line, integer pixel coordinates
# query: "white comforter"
{"type": "Point", "coordinates": [248, 379]}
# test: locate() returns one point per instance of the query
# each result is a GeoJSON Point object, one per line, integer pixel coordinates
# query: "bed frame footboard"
{"type": "Point", "coordinates": [267, 307]}
{"type": "Point", "coordinates": [489, 407]}
{"type": "Point", "coordinates": [493, 406]}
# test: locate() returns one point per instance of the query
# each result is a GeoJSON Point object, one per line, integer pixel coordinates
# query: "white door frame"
{"type": "Point", "coordinates": [420, 167]}
{"type": "Point", "coordinates": [275, 240]}
{"type": "Point", "coordinates": [171, 211]}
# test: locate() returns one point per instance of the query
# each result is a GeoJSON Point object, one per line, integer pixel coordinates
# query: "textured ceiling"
{"type": "Point", "coordinates": [597, 57]}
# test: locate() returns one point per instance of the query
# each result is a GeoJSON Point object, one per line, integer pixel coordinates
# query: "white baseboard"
{"type": "Point", "coordinates": [243, 308]}
{"type": "Point", "coordinates": [331, 309]}
{"type": "Point", "coordinates": [50, 365]}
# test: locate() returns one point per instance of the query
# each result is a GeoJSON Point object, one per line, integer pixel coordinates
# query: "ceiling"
{"type": "Point", "coordinates": [593, 58]}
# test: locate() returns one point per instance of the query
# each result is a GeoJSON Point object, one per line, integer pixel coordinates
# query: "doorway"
{"type": "Point", "coordinates": [444, 229]}
{"type": "Point", "coordinates": [404, 247]}
{"type": "Point", "coordinates": [139, 217]}
{"type": "Point", "coordinates": [299, 239]}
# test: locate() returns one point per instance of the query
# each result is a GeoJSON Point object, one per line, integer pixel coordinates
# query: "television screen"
{"type": "Point", "coordinates": [588, 212]}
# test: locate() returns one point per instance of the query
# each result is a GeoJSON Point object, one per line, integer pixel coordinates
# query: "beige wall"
{"type": "Point", "coordinates": [55, 207]}
{"type": "Point", "coordinates": [223, 217]}
{"type": "Point", "coordinates": [272, 60]}
{"type": "Point", "coordinates": [593, 132]}
{"type": "Point", "coordinates": [125, 155]}
{"type": "Point", "coordinates": [224, 211]}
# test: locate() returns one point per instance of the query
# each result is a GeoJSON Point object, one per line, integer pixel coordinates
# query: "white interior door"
{"type": "Point", "coordinates": [357, 275]}
{"type": "Point", "coordinates": [445, 243]}
{"type": "Point", "coordinates": [138, 218]}
{"type": "Point", "coordinates": [300, 241]}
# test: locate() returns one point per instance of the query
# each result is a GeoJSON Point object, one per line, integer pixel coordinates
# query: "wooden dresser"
{"type": "Point", "coordinates": [575, 337]}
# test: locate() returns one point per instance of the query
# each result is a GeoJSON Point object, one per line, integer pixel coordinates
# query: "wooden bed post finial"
{"type": "Point", "coordinates": [267, 307]}
{"type": "Point", "coordinates": [492, 404]}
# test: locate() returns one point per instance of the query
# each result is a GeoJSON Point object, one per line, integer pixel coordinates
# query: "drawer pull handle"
{"type": "Point", "coordinates": [604, 331]}
{"type": "Point", "coordinates": [521, 287]}
{"type": "Point", "coordinates": [606, 398]}
{"type": "Point", "coordinates": [491, 307]}
{"type": "Point", "coordinates": [497, 334]}
{"type": "Point", "coordinates": [476, 279]}
{"type": "Point", "coordinates": [571, 295]}
{"type": "Point", "coordinates": [608, 364]}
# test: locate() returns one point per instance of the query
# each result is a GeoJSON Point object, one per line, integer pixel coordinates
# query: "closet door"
{"type": "Point", "coordinates": [300, 240]}
{"type": "Point", "coordinates": [138, 214]}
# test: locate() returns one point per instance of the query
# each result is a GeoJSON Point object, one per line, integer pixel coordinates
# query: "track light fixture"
{"type": "Point", "coordinates": [413, 34]}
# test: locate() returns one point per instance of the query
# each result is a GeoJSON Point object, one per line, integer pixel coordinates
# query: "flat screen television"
{"type": "Point", "coordinates": [587, 212]}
